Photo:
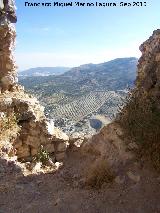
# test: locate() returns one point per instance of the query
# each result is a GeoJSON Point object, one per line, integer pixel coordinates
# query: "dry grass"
{"type": "Point", "coordinates": [42, 156]}
{"type": "Point", "coordinates": [99, 174]}
{"type": "Point", "coordinates": [140, 120]}
{"type": "Point", "coordinates": [8, 126]}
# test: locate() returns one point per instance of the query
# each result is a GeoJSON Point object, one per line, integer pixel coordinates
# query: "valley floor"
{"type": "Point", "coordinates": [64, 192]}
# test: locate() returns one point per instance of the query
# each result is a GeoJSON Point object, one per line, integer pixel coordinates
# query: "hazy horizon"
{"type": "Point", "coordinates": [74, 66]}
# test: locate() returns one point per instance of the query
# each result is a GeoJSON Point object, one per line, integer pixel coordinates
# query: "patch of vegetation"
{"type": "Point", "coordinates": [7, 121]}
{"type": "Point", "coordinates": [79, 108]}
{"type": "Point", "coordinates": [99, 174]}
{"type": "Point", "coordinates": [8, 125]}
{"type": "Point", "coordinates": [140, 120]}
{"type": "Point", "coordinates": [42, 156]}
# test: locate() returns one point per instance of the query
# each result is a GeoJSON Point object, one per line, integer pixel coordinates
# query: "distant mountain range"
{"type": "Point", "coordinates": [43, 71]}
{"type": "Point", "coordinates": [113, 75]}
{"type": "Point", "coordinates": [84, 90]}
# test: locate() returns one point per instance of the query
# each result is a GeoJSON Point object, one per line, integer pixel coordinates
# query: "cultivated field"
{"type": "Point", "coordinates": [85, 105]}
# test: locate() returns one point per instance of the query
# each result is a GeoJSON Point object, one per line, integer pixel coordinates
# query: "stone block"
{"type": "Point", "coordinates": [60, 156]}
{"type": "Point", "coordinates": [43, 139]}
{"type": "Point", "coordinates": [17, 144]}
{"type": "Point", "coordinates": [32, 141]}
{"type": "Point", "coordinates": [35, 132]}
{"type": "Point", "coordinates": [60, 136]}
{"type": "Point", "coordinates": [23, 151]}
{"type": "Point", "coordinates": [34, 151]}
{"type": "Point", "coordinates": [158, 57]}
{"type": "Point", "coordinates": [61, 147]}
{"type": "Point", "coordinates": [134, 177]}
{"type": "Point", "coordinates": [49, 148]}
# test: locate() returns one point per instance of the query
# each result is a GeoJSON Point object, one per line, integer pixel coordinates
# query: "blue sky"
{"type": "Point", "coordinates": [58, 36]}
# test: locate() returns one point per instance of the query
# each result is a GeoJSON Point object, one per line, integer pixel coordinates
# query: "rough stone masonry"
{"type": "Point", "coordinates": [8, 75]}
{"type": "Point", "coordinates": [35, 130]}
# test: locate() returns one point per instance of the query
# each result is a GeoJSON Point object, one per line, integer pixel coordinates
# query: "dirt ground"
{"type": "Point", "coordinates": [64, 191]}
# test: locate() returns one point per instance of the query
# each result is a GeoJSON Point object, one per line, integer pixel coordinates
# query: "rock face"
{"type": "Point", "coordinates": [148, 79]}
{"type": "Point", "coordinates": [144, 101]}
{"type": "Point", "coordinates": [7, 42]}
{"type": "Point", "coordinates": [109, 143]}
{"type": "Point", "coordinates": [34, 129]}
{"type": "Point", "coordinates": [140, 117]}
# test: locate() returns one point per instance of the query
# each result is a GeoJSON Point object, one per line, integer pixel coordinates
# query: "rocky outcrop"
{"type": "Point", "coordinates": [148, 78]}
{"type": "Point", "coordinates": [137, 126]}
{"type": "Point", "coordinates": [108, 144]}
{"type": "Point", "coordinates": [144, 100]}
{"type": "Point", "coordinates": [7, 42]}
{"type": "Point", "coordinates": [140, 118]}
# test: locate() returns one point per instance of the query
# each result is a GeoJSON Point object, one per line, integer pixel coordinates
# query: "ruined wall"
{"type": "Point", "coordinates": [7, 42]}
{"type": "Point", "coordinates": [34, 129]}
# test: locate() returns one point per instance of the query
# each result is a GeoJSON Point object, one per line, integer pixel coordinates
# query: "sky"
{"type": "Point", "coordinates": [71, 36]}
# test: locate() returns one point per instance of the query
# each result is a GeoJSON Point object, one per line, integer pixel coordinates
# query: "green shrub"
{"type": "Point", "coordinates": [9, 127]}
{"type": "Point", "coordinates": [42, 156]}
{"type": "Point", "coordinates": [7, 122]}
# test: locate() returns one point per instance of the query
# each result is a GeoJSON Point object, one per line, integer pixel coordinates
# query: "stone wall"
{"type": "Point", "coordinates": [7, 42]}
{"type": "Point", "coordinates": [34, 129]}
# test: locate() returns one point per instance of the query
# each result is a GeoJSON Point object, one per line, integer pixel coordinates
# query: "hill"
{"type": "Point", "coordinates": [84, 91]}
{"type": "Point", "coordinates": [43, 71]}
{"type": "Point", "coordinates": [112, 75]}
